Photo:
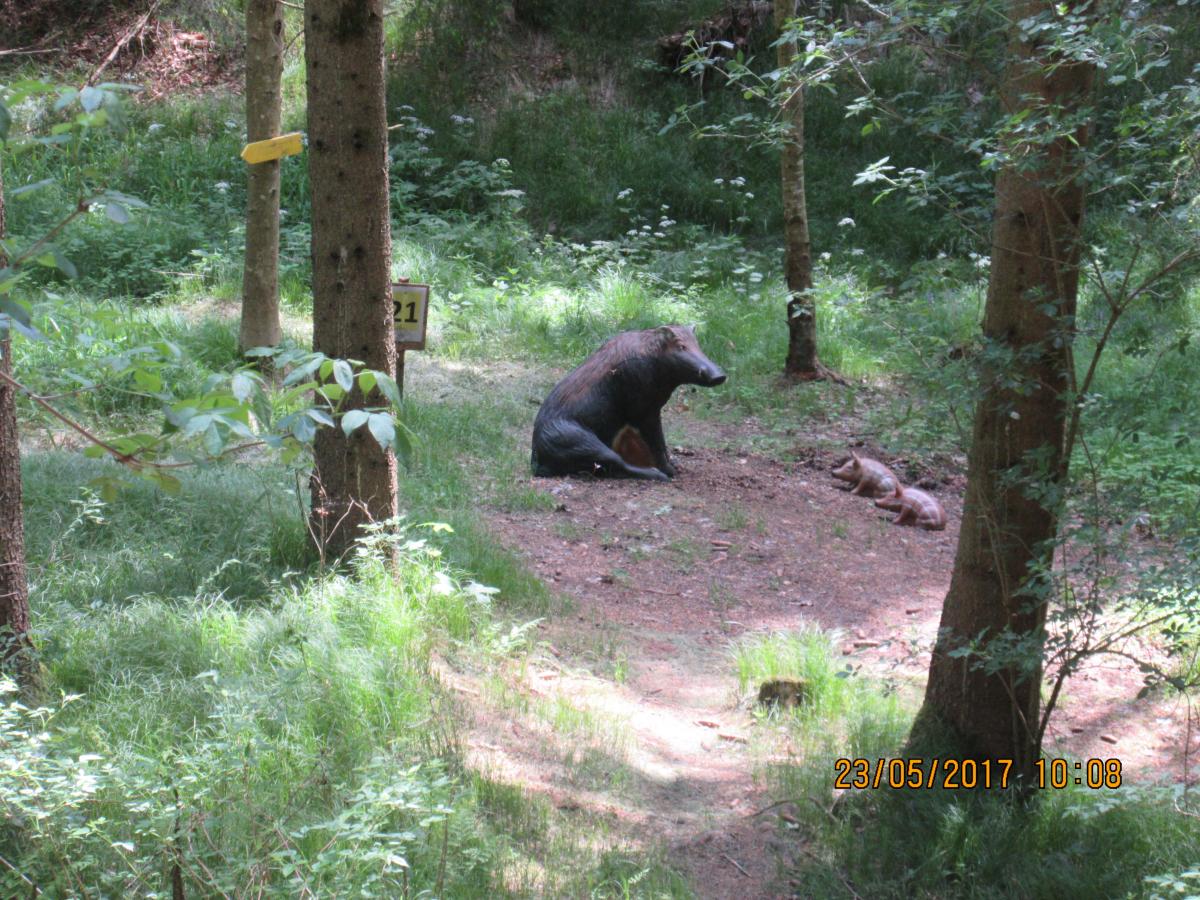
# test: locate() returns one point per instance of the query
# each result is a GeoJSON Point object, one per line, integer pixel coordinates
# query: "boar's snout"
{"type": "Point", "coordinates": [711, 376]}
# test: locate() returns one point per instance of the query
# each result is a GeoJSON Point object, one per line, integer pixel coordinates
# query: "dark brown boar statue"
{"type": "Point", "coordinates": [605, 417]}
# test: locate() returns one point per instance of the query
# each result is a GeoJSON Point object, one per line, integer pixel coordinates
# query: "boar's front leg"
{"type": "Point", "coordinates": [652, 433]}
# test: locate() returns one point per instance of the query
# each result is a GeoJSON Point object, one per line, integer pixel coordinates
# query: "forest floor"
{"type": "Point", "coordinates": [631, 714]}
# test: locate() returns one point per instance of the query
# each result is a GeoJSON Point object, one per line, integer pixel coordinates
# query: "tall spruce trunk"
{"type": "Point", "coordinates": [801, 360]}
{"type": "Point", "coordinates": [15, 658]}
{"type": "Point", "coordinates": [260, 277]}
{"type": "Point", "coordinates": [355, 478]}
{"type": "Point", "coordinates": [1008, 530]}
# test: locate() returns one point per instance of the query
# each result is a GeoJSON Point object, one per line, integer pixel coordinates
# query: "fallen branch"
{"type": "Point", "coordinates": [736, 865]}
{"type": "Point", "coordinates": [26, 52]}
{"type": "Point", "coordinates": [121, 42]}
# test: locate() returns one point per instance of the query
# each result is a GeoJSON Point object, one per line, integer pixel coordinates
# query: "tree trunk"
{"type": "Point", "coordinates": [1016, 466]}
{"type": "Point", "coordinates": [355, 478]}
{"type": "Point", "coordinates": [15, 657]}
{"type": "Point", "coordinates": [801, 311]}
{"type": "Point", "coordinates": [260, 277]}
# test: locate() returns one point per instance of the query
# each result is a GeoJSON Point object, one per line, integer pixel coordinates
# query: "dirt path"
{"type": "Point", "coordinates": [632, 716]}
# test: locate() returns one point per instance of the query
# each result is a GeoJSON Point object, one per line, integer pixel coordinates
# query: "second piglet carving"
{"type": "Point", "coordinates": [869, 477]}
{"type": "Point", "coordinates": [915, 507]}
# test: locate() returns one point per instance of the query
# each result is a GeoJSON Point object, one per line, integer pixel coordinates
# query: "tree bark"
{"type": "Point", "coordinates": [260, 277]}
{"type": "Point", "coordinates": [801, 360]}
{"type": "Point", "coordinates": [355, 478]}
{"type": "Point", "coordinates": [15, 648]}
{"type": "Point", "coordinates": [1016, 465]}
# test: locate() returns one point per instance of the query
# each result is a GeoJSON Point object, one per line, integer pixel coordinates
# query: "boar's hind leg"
{"type": "Point", "coordinates": [565, 448]}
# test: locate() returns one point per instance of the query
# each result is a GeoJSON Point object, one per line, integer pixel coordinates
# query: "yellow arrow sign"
{"type": "Point", "coordinates": [274, 148]}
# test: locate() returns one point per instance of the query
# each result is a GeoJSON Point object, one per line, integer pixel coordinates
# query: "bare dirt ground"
{"type": "Point", "coordinates": [664, 578]}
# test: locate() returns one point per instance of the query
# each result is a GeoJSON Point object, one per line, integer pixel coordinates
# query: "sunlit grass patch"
{"type": "Point", "coordinates": [293, 739]}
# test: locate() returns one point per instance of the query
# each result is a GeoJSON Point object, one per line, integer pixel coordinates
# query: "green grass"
{"type": "Point", "coordinates": [288, 743]}
{"type": "Point", "coordinates": [89, 553]}
{"type": "Point", "coordinates": [1070, 844]}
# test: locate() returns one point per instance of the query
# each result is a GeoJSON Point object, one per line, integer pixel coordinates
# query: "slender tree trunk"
{"type": "Point", "coordinates": [355, 478]}
{"type": "Point", "coordinates": [801, 360]}
{"type": "Point", "coordinates": [1016, 464]}
{"type": "Point", "coordinates": [15, 649]}
{"type": "Point", "coordinates": [260, 277]}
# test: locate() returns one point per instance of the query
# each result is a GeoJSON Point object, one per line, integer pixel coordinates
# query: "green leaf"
{"type": "Point", "coordinates": [304, 429]}
{"type": "Point", "coordinates": [403, 444]}
{"type": "Point", "coordinates": [242, 386]}
{"type": "Point", "coordinates": [383, 428]}
{"type": "Point", "coordinates": [366, 381]}
{"type": "Point", "coordinates": [90, 98]}
{"type": "Point", "coordinates": [387, 386]}
{"type": "Point", "coordinates": [117, 212]}
{"type": "Point", "coordinates": [167, 483]}
{"type": "Point", "coordinates": [332, 392]}
{"type": "Point", "coordinates": [197, 424]}
{"type": "Point", "coordinates": [302, 373]}
{"type": "Point", "coordinates": [65, 265]}
{"type": "Point", "coordinates": [213, 443]}
{"type": "Point", "coordinates": [343, 375]}
{"type": "Point", "coordinates": [30, 188]}
{"type": "Point", "coordinates": [148, 381]}
{"type": "Point", "coordinates": [65, 99]}
{"type": "Point", "coordinates": [126, 200]}
{"type": "Point", "coordinates": [16, 309]}
{"type": "Point", "coordinates": [291, 452]}
{"type": "Point", "coordinates": [354, 419]}
{"type": "Point", "coordinates": [107, 487]}
{"type": "Point", "coordinates": [320, 416]}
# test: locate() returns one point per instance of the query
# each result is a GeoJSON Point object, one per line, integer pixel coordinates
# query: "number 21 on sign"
{"type": "Point", "coordinates": [410, 306]}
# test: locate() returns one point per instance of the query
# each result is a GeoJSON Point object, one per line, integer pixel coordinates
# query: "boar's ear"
{"type": "Point", "coordinates": [691, 328]}
{"type": "Point", "coordinates": [854, 456]}
{"type": "Point", "coordinates": [664, 334]}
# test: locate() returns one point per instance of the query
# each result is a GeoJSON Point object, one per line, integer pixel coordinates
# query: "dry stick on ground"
{"type": "Point", "coordinates": [737, 865]}
{"type": "Point", "coordinates": [121, 42]}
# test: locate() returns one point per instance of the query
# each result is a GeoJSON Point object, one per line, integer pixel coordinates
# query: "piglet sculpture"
{"type": "Point", "coordinates": [868, 476]}
{"type": "Point", "coordinates": [915, 507]}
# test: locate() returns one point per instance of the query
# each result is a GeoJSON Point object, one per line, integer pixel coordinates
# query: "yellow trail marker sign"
{"type": "Point", "coordinates": [274, 148]}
